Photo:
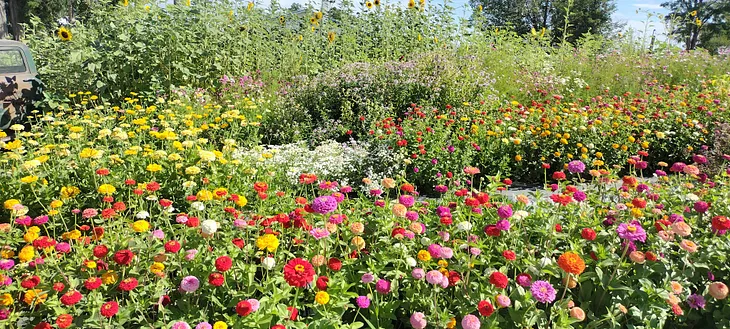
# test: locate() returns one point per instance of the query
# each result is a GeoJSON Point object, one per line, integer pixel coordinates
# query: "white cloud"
{"type": "Point", "coordinates": [648, 5]}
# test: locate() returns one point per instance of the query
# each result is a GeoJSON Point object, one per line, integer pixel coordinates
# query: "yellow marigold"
{"type": "Point", "coordinates": [34, 297]}
{"type": "Point", "coordinates": [8, 204]}
{"type": "Point", "coordinates": [424, 256]}
{"type": "Point", "coordinates": [267, 241]}
{"type": "Point", "coordinates": [322, 298]}
{"type": "Point", "coordinates": [220, 325]}
{"type": "Point", "coordinates": [157, 267]}
{"type": "Point", "coordinates": [572, 263]}
{"type": "Point", "coordinates": [141, 226]}
{"type": "Point", "coordinates": [153, 167]}
{"type": "Point", "coordinates": [110, 277]}
{"type": "Point", "coordinates": [204, 195]}
{"type": "Point", "coordinates": [443, 263]}
{"type": "Point", "coordinates": [242, 201]}
{"type": "Point", "coordinates": [106, 189]}
{"type": "Point", "coordinates": [68, 192]}
{"type": "Point", "coordinates": [90, 264]}
{"type": "Point", "coordinates": [6, 299]}
{"type": "Point", "coordinates": [55, 204]}
{"type": "Point", "coordinates": [32, 234]}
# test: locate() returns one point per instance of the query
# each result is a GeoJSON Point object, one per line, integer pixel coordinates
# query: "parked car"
{"type": "Point", "coordinates": [20, 87]}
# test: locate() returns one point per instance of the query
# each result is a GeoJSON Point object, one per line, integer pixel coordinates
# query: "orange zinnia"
{"type": "Point", "coordinates": [572, 263]}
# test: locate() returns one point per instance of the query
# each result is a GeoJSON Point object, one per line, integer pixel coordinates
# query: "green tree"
{"type": "Point", "coordinates": [699, 21]}
{"type": "Point", "coordinates": [523, 16]}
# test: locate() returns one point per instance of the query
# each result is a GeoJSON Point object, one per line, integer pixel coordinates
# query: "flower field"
{"type": "Point", "coordinates": [152, 213]}
{"type": "Point", "coordinates": [384, 167]}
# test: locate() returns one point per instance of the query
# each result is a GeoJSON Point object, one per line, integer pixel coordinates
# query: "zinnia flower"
{"type": "Point", "coordinates": [571, 263]}
{"type": "Point", "coordinates": [298, 272]}
{"type": "Point", "coordinates": [543, 291]}
{"type": "Point", "coordinates": [631, 231]}
{"type": "Point", "coordinates": [189, 284]}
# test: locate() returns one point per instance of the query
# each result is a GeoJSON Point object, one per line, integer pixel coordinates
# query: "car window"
{"type": "Point", "coordinates": [11, 61]}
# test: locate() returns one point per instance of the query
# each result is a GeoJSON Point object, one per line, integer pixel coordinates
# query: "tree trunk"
{"type": "Point", "coordinates": [3, 20]}
{"type": "Point", "coordinates": [13, 15]}
{"type": "Point", "coordinates": [545, 12]}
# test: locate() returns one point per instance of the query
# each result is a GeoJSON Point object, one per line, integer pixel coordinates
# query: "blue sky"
{"type": "Point", "coordinates": [632, 13]}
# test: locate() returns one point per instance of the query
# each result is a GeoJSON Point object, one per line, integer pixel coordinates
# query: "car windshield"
{"type": "Point", "coordinates": [11, 61]}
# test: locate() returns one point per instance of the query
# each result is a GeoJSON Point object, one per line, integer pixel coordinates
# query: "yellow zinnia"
{"type": "Point", "coordinates": [322, 297]}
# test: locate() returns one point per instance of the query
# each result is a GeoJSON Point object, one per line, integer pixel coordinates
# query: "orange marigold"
{"type": "Point", "coordinates": [572, 263]}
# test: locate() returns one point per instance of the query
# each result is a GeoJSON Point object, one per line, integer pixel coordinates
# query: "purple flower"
{"type": "Point", "coordinates": [676, 218]}
{"type": "Point", "coordinates": [543, 291]}
{"type": "Point", "coordinates": [701, 206]}
{"type": "Point", "coordinates": [367, 278]}
{"type": "Point", "coordinates": [524, 280]}
{"type": "Point", "coordinates": [189, 284]}
{"type": "Point", "coordinates": [579, 196]}
{"type": "Point", "coordinates": [434, 250]}
{"type": "Point", "coordinates": [63, 248]}
{"type": "Point", "coordinates": [442, 211]}
{"type": "Point", "coordinates": [503, 225]}
{"type": "Point", "coordinates": [324, 204]}
{"type": "Point", "coordinates": [382, 286]}
{"type": "Point", "coordinates": [660, 173]}
{"type": "Point", "coordinates": [362, 302]}
{"type": "Point", "coordinates": [412, 215]}
{"type": "Point", "coordinates": [505, 211]}
{"type": "Point", "coordinates": [576, 166]}
{"type": "Point", "coordinates": [25, 221]}
{"type": "Point", "coordinates": [6, 264]}
{"type": "Point", "coordinates": [319, 233]}
{"type": "Point", "coordinates": [40, 220]}
{"type": "Point", "coordinates": [677, 167]}
{"type": "Point", "coordinates": [441, 188]}
{"type": "Point", "coordinates": [631, 231]}
{"type": "Point", "coordinates": [407, 200]}
{"type": "Point", "coordinates": [696, 301]}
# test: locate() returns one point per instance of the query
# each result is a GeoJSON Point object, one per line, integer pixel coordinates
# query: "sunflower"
{"type": "Point", "coordinates": [282, 20]}
{"type": "Point", "coordinates": [377, 2]}
{"type": "Point", "coordinates": [250, 5]}
{"type": "Point", "coordinates": [331, 36]}
{"type": "Point", "coordinates": [369, 4]}
{"type": "Point", "coordinates": [411, 3]}
{"type": "Point", "coordinates": [314, 21]}
{"type": "Point", "coordinates": [318, 15]}
{"type": "Point", "coordinates": [125, 3]}
{"type": "Point", "coordinates": [64, 34]}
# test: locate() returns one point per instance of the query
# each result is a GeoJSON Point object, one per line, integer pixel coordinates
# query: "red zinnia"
{"type": "Point", "coordinates": [64, 321]}
{"type": "Point", "coordinates": [244, 308]}
{"type": "Point", "coordinates": [509, 255]}
{"type": "Point", "coordinates": [124, 257]}
{"type": "Point", "coordinates": [298, 272]}
{"type": "Point", "coordinates": [43, 325]}
{"type": "Point", "coordinates": [588, 234]}
{"type": "Point", "coordinates": [192, 222]}
{"type": "Point", "coordinates": [31, 282]}
{"type": "Point", "coordinates": [559, 175]}
{"type": "Point", "coordinates": [260, 187]}
{"type": "Point", "coordinates": [223, 263]}
{"type": "Point", "coordinates": [334, 264]}
{"type": "Point", "coordinates": [498, 279]}
{"type": "Point", "coordinates": [720, 223]}
{"type": "Point", "coordinates": [71, 297]}
{"type": "Point", "coordinates": [322, 282]}
{"type": "Point", "coordinates": [58, 286]}
{"type": "Point", "coordinates": [172, 246]}
{"type": "Point", "coordinates": [454, 278]}
{"type": "Point", "coordinates": [278, 326]}
{"type": "Point", "coordinates": [492, 230]}
{"type": "Point", "coordinates": [238, 242]}
{"type": "Point", "coordinates": [128, 284]}
{"type": "Point", "coordinates": [293, 312]}
{"type": "Point", "coordinates": [485, 308]}
{"type": "Point", "coordinates": [152, 186]}
{"type": "Point", "coordinates": [92, 283]}
{"type": "Point", "coordinates": [216, 279]}
{"type": "Point", "coordinates": [109, 309]}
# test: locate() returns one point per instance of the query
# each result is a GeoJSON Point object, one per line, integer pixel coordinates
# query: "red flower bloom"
{"type": "Point", "coordinates": [278, 326]}
{"type": "Point", "coordinates": [408, 188]}
{"type": "Point", "coordinates": [662, 224]}
{"type": "Point", "coordinates": [192, 222]}
{"type": "Point", "coordinates": [334, 264]}
{"type": "Point", "coordinates": [322, 282]}
{"type": "Point", "coordinates": [43, 325]}
{"type": "Point", "coordinates": [92, 283]}
{"type": "Point", "coordinates": [223, 263]}
{"type": "Point", "coordinates": [108, 199]}
{"type": "Point", "coordinates": [31, 282]}
{"type": "Point", "coordinates": [559, 175]}
{"type": "Point", "coordinates": [153, 186]}
{"type": "Point", "coordinates": [588, 234]}
{"type": "Point", "coordinates": [558, 228]}
{"type": "Point", "coordinates": [119, 206]}
{"type": "Point", "coordinates": [165, 203]}
{"type": "Point", "coordinates": [244, 308]}
{"type": "Point", "coordinates": [454, 278]}
{"type": "Point", "coordinates": [498, 279]}
{"type": "Point", "coordinates": [485, 308]}
{"type": "Point", "coordinates": [71, 297]}
{"type": "Point", "coordinates": [298, 272]}
{"type": "Point", "coordinates": [509, 255]}
{"type": "Point", "coordinates": [109, 309]}
{"type": "Point", "coordinates": [650, 256]}
{"type": "Point", "coordinates": [720, 223]}
{"type": "Point", "coordinates": [130, 182]}
{"type": "Point", "coordinates": [216, 279]}
{"type": "Point", "coordinates": [58, 286]}
{"type": "Point", "coordinates": [128, 284]}
{"type": "Point", "coordinates": [260, 187]}
{"type": "Point", "coordinates": [492, 230]}
{"type": "Point", "coordinates": [172, 246]}
{"type": "Point", "coordinates": [293, 312]}
{"type": "Point", "coordinates": [64, 321]}
{"type": "Point", "coordinates": [124, 257]}
{"type": "Point", "coordinates": [108, 213]}
{"type": "Point", "coordinates": [238, 242]}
